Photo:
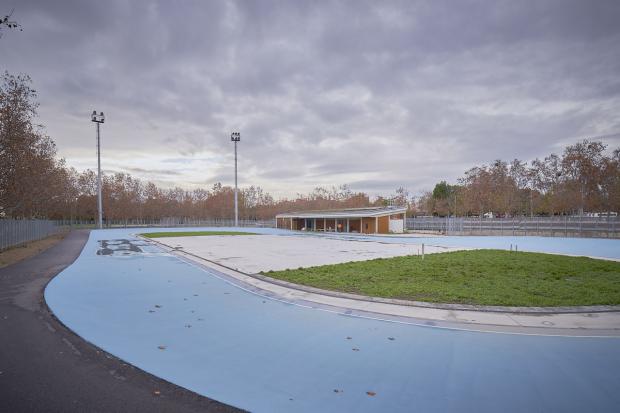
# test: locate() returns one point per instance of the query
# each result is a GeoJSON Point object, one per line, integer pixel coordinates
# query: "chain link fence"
{"type": "Point", "coordinates": [561, 226]}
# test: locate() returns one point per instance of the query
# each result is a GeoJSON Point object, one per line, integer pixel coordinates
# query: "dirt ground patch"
{"type": "Point", "coordinates": [16, 254]}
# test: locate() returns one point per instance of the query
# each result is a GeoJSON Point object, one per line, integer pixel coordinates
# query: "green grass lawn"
{"type": "Point", "coordinates": [193, 234]}
{"type": "Point", "coordinates": [486, 277]}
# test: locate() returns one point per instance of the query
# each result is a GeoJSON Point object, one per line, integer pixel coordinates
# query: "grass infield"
{"type": "Point", "coordinates": [484, 277]}
{"type": "Point", "coordinates": [193, 234]}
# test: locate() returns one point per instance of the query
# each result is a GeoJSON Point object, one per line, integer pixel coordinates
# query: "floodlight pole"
{"type": "Point", "coordinates": [99, 203]}
{"type": "Point", "coordinates": [236, 137]}
{"type": "Point", "coordinates": [236, 190]}
{"type": "Point", "coordinates": [98, 119]}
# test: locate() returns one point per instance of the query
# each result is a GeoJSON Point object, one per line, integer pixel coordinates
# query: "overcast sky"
{"type": "Point", "coordinates": [373, 94]}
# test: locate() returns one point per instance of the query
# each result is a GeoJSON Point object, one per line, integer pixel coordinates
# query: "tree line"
{"type": "Point", "coordinates": [585, 178]}
{"type": "Point", "coordinates": [35, 183]}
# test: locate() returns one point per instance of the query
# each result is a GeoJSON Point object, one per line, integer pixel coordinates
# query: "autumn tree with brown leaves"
{"type": "Point", "coordinates": [31, 179]}
{"type": "Point", "coordinates": [583, 179]}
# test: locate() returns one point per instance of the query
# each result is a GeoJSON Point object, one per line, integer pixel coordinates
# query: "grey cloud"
{"type": "Point", "coordinates": [418, 90]}
{"type": "Point", "coordinates": [144, 171]}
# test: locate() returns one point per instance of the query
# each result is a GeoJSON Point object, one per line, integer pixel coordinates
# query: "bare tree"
{"type": "Point", "coordinates": [8, 23]}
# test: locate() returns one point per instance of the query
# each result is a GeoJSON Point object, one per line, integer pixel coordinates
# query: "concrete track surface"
{"type": "Point", "coordinates": [255, 253]}
{"type": "Point", "coordinates": [186, 325]}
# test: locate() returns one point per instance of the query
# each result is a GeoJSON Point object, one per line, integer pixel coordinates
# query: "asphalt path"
{"type": "Point", "coordinates": [44, 367]}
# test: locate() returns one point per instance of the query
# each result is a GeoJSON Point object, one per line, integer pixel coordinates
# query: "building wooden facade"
{"type": "Point", "coordinates": [374, 220]}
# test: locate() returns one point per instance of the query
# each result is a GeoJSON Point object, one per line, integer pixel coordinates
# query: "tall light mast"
{"type": "Point", "coordinates": [236, 137]}
{"type": "Point", "coordinates": [98, 119]}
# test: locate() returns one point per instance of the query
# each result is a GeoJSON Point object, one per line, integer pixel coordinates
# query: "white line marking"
{"type": "Point", "coordinates": [201, 267]}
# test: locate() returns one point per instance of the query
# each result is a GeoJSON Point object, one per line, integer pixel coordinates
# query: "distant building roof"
{"type": "Point", "coordinates": [345, 213]}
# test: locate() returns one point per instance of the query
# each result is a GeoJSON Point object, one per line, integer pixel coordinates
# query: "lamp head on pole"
{"type": "Point", "coordinates": [99, 118]}
{"type": "Point", "coordinates": [235, 137]}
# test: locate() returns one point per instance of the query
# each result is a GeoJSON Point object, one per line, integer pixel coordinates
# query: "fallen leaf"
{"type": "Point", "coordinates": [356, 349]}
{"type": "Point", "coordinates": [391, 338]}
{"type": "Point", "coordinates": [349, 338]}
{"type": "Point", "coordinates": [157, 306]}
{"type": "Point", "coordinates": [161, 347]}
{"type": "Point", "coordinates": [371, 393]}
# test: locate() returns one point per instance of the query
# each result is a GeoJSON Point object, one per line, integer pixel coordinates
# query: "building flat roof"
{"type": "Point", "coordinates": [345, 213]}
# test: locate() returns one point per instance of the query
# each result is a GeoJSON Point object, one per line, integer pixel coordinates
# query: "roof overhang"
{"type": "Point", "coordinates": [344, 214]}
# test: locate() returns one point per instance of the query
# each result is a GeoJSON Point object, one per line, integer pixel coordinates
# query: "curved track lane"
{"type": "Point", "coordinates": [183, 324]}
{"type": "Point", "coordinates": [46, 368]}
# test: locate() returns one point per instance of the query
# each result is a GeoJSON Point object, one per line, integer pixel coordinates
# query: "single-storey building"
{"type": "Point", "coordinates": [373, 220]}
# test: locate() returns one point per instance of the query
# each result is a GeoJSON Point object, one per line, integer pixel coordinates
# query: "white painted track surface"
{"type": "Point", "coordinates": [252, 254]}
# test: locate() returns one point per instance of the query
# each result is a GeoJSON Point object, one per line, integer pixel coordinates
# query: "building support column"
{"type": "Point", "coordinates": [348, 230]}
{"type": "Point", "coordinates": [291, 224]}
{"type": "Point", "coordinates": [376, 225]}
{"type": "Point", "coordinates": [361, 225]}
